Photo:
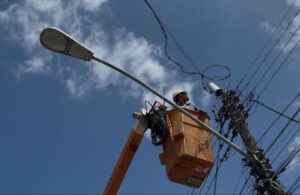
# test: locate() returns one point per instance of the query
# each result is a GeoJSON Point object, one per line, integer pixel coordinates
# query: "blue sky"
{"type": "Point", "coordinates": [65, 121]}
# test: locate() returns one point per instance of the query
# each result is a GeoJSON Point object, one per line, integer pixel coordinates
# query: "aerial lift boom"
{"type": "Point", "coordinates": [187, 156]}
{"type": "Point", "coordinates": [127, 155]}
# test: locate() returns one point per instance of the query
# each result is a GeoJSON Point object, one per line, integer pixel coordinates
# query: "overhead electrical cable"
{"type": "Point", "coordinates": [281, 132]}
{"type": "Point", "coordinates": [218, 166]}
{"type": "Point", "coordinates": [217, 171]}
{"type": "Point", "coordinates": [245, 184]}
{"type": "Point", "coordinates": [280, 152]}
{"type": "Point", "coordinates": [216, 160]}
{"type": "Point", "coordinates": [295, 188]}
{"type": "Point", "coordinates": [220, 126]}
{"type": "Point", "coordinates": [265, 45]}
{"type": "Point", "coordinates": [268, 69]}
{"type": "Point", "coordinates": [238, 182]}
{"type": "Point", "coordinates": [251, 191]}
{"type": "Point", "coordinates": [162, 28]}
{"type": "Point", "coordinates": [275, 111]}
{"type": "Point", "coordinates": [280, 115]}
{"type": "Point", "coordinates": [295, 185]}
{"type": "Point", "coordinates": [287, 162]}
{"type": "Point", "coordinates": [278, 69]}
{"type": "Point", "coordinates": [205, 181]}
{"type": "Point", "coordinates": [272, 48]}
{"type": "Point", "coordinates": [203, 184]}
{"type": "Point", "coordinates": [294, 153]}
{"type": "Point", "coordinates": [165, 30]}
{"type": "Point", "coordinates": [215, 176]}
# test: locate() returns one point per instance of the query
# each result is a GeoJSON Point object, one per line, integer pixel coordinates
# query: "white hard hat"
{"type": "Point", "coordinates": [178, 92]}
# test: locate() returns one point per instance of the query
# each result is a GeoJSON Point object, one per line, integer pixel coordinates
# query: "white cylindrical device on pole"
{"type": "Point", "coordinates": [213, 88]}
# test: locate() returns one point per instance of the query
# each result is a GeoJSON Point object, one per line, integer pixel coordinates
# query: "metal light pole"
{"type": "Point", "coordinates": [56, 40]}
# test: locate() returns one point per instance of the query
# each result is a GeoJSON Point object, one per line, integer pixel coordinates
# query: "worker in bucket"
{"type": "Point", "coordinates": [181, 98]}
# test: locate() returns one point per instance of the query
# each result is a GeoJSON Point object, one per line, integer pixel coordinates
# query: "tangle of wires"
{"type": "Point", "coordinates": [227, 129]}
{"type": "Point", "coordinates": [156, 122]}
{"type": "Point", "coordinates": [205, 77]}
{"type": "Point", "coordinates": [222, 118]}
{"type": "Point", "coordinates": [249, 95]}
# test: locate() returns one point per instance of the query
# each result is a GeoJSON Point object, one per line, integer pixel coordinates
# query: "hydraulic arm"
{"type": "Point", "coordinates": [126, 156]}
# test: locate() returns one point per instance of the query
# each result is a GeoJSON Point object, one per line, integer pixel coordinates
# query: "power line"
{"type": "Point", "coordinates": [165, 30]}
{"type": "Point", "coordinates": [278, 69]}
{"type": "Point", "coordinates": [214, 178]}
{"type": "Point", "coordinates": [275, 111]}
{"type": "Point", "coordinates": [272, 48]}
{"type": "Point", "coordinates": [285, 163]}
{"type": "Point", "coordinates": [217, 171]}
{"type": "Point", "coordinates": [280, 115]}
{"type": "Point", "coordinates": [162, 28]}
{"type": "Point", "coordinates": [215, 160]}
{"type": "Point", "coordinates": [245, 184]}
{"type": "Point", "coordinates": [268, 69]}
{"type": "Point", "coordinates": [203, 184]}
{"type": "Point", "coordinates": [288, 142]}
{"type": "Point", "coordinates": [265, 45]}
{"type": "Point", "coordinates": [280, 152]}
{"type": "Point", "coordinates": [281, 132]}
{"type": "Point", "coordinates": [294, 186]}
{"type": "Point", "coordinates": [238, 182]}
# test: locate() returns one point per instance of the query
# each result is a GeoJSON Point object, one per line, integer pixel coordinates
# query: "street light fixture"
{"type": "Point", "coordinates": [59, 41]}
{"type": "Point", "coordinates": [56, 40]}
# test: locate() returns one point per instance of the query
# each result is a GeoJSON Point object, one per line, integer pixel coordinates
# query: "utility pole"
{"type": "Point", "coordinates": [261, 169]}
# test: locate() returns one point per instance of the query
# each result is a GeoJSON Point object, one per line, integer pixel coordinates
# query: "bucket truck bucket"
{"type": "Point", "coordinates": [187, 149]}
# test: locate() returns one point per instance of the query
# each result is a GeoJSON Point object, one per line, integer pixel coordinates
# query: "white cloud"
{"type": "Point", "coordinates": [205, 99]}
{"type": "Point", "coordinates": [79, 85]}
{"type": "Point", "coordinates": [120, 47]}
{"type": "Point", "coordinates": [72, 87]}
{"type": "Point", "coordinates": [34, 65]}
{"type": "Point", "coordinates": [295, 145]}
{"type": "Point", "coordinates": [92, 5]}
{"type": "Point", "coordinates": [296, 104]}
{"type": "Point", "coordinates": [296, 3]}
{"type": "Point", "coordinates": [44, 5]}
{"type": "Point", "coordinates": [293, 27]}
{"type": "Point", "coordinates": [268, 27]}
{"type": "Point", "coordinates": [287, 43]}
{"type": "Point", "coordinates": [147, 135]}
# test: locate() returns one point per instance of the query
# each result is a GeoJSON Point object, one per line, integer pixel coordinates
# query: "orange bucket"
{"type": "Point", "coordinates": [187, 149]}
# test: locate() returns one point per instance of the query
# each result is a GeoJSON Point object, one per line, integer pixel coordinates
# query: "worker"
{"type": "Point", "coordinates": [181, 98]}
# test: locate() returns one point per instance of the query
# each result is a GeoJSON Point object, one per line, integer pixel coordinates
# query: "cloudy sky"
{"type": "Point", "coordinates": [65, 121]}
